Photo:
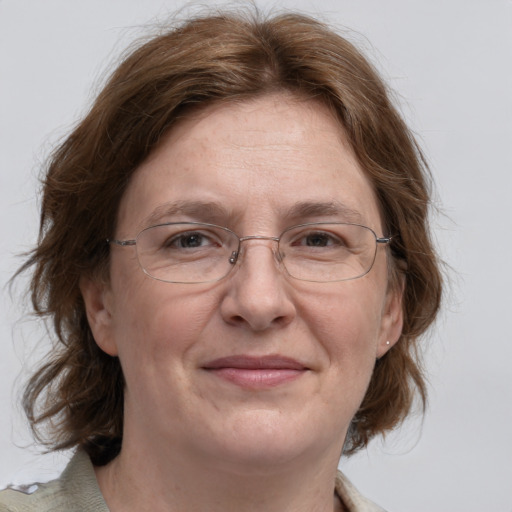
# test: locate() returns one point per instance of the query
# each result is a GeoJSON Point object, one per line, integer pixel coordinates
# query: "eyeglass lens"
{"type": "Point", "coordinates": [199, 253]}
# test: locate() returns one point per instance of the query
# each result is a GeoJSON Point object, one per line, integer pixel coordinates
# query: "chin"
{"type": "Point", "coordinates": [263, 439]}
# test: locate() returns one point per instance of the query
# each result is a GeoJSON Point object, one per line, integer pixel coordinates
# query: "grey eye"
{"type": "Point", "coordinates": [190, 241]}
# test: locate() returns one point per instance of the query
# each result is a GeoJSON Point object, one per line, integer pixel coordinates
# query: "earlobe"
{"type": "Point", "coordinates": [97, 299]}
{"type": "Point", "coordinates": [392, 321]}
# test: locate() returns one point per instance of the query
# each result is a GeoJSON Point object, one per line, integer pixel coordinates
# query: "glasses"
{"type": "Point", "coordinates": [192, 252]}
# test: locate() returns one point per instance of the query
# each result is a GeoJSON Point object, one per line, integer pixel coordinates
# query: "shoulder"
{"type": "Point", "coordinates": [75, 491]}
{"type": "Point", "coordinates": [35, 497]}
{"type": "Point", "coordinates": [352, 498]}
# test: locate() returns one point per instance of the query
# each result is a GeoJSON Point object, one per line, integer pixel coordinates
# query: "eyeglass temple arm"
{"type": "Point", "coordinates": [121, 242]}
{"type": "Point", "coordinates": [384, 240]}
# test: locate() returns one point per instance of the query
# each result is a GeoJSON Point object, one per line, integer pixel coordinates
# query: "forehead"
{"type": "Point", "coordinates": [253, 159]}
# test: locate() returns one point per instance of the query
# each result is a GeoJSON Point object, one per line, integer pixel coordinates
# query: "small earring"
{"type": "Point", "coordinates": [387, 343]}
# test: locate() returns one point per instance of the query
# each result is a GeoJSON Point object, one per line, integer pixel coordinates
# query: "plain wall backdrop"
{"type": "Point", "coordinates": [450, 63]}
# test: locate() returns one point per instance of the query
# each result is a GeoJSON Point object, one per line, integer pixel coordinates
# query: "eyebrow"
{"type": "Point", "coordinates": [210, 212]}
{"type": "Point", "coordinates": [214, 213]}
{"type": "Point", "coordinates": [308, 209]}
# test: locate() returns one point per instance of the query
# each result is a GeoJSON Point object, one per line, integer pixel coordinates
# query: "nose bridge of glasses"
{"type": "Point", "coordinates": [258, 238]}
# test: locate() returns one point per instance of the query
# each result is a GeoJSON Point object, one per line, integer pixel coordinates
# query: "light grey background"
{"type": "Point", "coordinates": [450, 63]}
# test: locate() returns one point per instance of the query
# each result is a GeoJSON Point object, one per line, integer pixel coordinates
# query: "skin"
{"type": "Point", "coordinates": [264, 448]}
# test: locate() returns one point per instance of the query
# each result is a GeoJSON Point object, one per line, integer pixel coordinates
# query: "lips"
{"type": "Point", "coordinates": [256, 372]}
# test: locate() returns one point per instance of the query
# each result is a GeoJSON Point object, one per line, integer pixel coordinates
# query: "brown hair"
{"type": "Point", "coordinates": [78, 391]}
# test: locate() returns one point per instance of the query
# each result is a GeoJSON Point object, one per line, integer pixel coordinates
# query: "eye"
{"type": "Point", "coordinates": [191, 240]}
{"type": "Point", "coordinates": [317, 239]}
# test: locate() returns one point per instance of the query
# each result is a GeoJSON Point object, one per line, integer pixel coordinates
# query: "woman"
{"type": "Point", "coordinates": [235, 254]}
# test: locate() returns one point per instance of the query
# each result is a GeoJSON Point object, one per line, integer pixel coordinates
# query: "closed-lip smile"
{"type": "Point", "coordinates": [256, 372]}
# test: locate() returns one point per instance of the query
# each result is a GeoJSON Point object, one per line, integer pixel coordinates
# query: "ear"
{"type": "Point", "coordinates": [392, 319]}
{"type": "Point", "coordinates": [98, 301]}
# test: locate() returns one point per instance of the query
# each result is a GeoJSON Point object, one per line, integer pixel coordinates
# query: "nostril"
{"type": "Point", "coordinates": [237, 320]}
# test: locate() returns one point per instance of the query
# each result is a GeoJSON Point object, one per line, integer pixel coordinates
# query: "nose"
{"type": "Point", "coordinates": [257, 295]}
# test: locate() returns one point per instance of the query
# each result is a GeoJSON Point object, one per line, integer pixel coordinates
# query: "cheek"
{"type": "Point", "coordinates": [350, 306]}
{"type": "Point", "coordinates": [344, 322]}
{"type": "Point", "coordinates": [345, 318]}
{"type": "Point", "coordinates": [159, 324]}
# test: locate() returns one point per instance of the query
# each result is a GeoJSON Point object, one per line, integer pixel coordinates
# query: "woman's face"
{"type": "Point", "coordinates": [256, 367]}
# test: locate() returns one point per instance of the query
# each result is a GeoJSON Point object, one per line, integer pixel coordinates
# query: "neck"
{"type": "Point", "coordinates": [168, 480]}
